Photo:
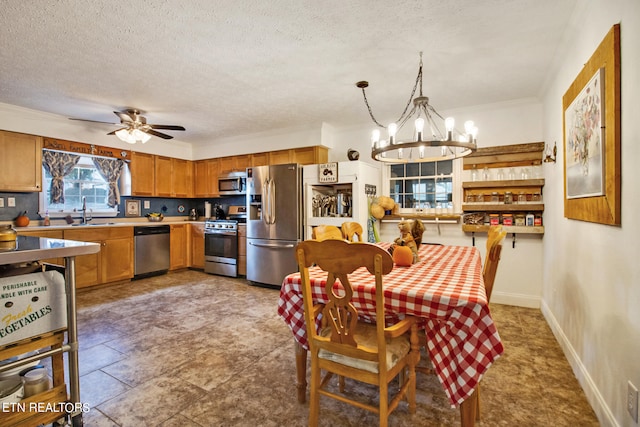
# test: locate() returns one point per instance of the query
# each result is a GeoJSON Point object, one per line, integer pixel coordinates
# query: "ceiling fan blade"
{"type": "Point", "coordinates": [167, 127]}
{"type": "Point", "coordinates": [93, 121]}
{"type": "Point", "coordinates": [114, 132]}
{"type": "Point", "coordinates": [158, 134]}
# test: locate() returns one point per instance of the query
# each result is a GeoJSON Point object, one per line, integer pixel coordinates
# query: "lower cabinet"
{"type": "Point", "coordinates": [197, 246]}
{"type": "Point", "coordinates": [50, 234]}
{"type": "Point", "coordinates": [114, 262]}
{"type": "Point", "coordinates": [242, 249]}
{"type": "Point", "coordinates": [179, 247]}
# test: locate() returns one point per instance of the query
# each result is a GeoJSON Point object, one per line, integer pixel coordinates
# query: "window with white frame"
{"type": "Point", "coordinates": [83, 183]}
{"type": "Point", "coordinates": [422, 185]}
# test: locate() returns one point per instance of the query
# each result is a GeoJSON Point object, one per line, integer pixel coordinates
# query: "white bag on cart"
{"type": "Point", "coordinates": [31, 304]}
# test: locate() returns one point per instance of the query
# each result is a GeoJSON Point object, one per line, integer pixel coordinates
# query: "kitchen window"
{"type": "Point", "coordinates": [423, 185]}
{"type": "Point", "coordinates": [83, 181]}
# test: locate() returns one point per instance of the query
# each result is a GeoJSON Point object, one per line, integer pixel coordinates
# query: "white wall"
{"type": "Point", "coordinates": [591, 278]}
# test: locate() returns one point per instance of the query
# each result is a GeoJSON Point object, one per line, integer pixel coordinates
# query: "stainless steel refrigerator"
{"type": "Point", "coordinates": [274, 222]}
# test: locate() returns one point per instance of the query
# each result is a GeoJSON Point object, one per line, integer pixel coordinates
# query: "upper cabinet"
{"type": "Point", "coordinates": [205, 181]}
{"type": "Point", "coordinates": [173, 177]}
{"type": "Point", "coordinates": [160, 176]}
{"type": "Point", "coordinates": [143, 174]}
{"type": "Point", "coordinates": [21, 162]}
{"type": "Point", "coordinates": [234, 163]}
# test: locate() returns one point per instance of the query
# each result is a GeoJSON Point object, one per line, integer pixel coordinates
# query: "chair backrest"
{"type": "Point", "coordinates": [492, 258]}
{"type": "Point", "coordinates": [351, 229]}
{"type": "Point", "coordinates": [339, 258]}
{"type": "Point", "coordinates": [324, 232]}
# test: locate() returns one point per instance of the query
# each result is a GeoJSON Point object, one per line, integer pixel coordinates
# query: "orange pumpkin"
{"type": "Point", "coordinates": [403, 256]}
{"type": "Point", "coordinates": [22, 221]}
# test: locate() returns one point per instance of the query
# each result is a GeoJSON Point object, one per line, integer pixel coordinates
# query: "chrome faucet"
{"type": "Point", "coordinates": [84, 211]}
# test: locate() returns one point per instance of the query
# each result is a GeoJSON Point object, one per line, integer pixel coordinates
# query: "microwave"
{"type": "Point", "coordinates": [232, 183]}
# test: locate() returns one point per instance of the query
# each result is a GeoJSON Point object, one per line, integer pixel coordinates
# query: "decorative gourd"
{"type": "Point", "coordinates": [377, 211]}
{"type": "Point", "coordinates": [403, 256]}
{"type": "Point", "coordinates": [22, 221]}
{"type": "Point", "coordinates": [387, 203]}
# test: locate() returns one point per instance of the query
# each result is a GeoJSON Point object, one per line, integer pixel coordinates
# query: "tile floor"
{"type": "Point", "coordinates": [192, 349]}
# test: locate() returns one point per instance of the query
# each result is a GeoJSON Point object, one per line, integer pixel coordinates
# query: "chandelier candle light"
{"type": "Point", "coordinates": [452, 144]}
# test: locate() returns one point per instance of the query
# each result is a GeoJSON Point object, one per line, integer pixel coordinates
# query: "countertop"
{"type": "Point", "coordinates": [29, 248]}
{"type": "Point", "coordinates": [106, 222]}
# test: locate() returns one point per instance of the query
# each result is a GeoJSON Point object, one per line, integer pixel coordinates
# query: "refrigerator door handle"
{"type": "Point", "coordinates": [265, 202]}
{"type": "Point", "coordinates": [263, 245]}
{"type": "Point", "coordinates": [272, 198]}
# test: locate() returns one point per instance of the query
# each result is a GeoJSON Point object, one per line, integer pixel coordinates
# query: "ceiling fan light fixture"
{"type": "Point", "coordinates": [132, 136]}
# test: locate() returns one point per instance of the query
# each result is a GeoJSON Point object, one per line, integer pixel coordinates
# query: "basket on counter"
{"type": "Point", "coordinates": [153, 217]}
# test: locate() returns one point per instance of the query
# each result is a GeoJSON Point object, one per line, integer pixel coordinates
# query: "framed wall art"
{"type": "Point", "coordinates": [591, 128]}
{"type": "Point", "coordinates": [132, 208]}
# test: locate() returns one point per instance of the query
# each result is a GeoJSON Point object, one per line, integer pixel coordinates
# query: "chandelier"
{"type": "Point", "coordinates": [132, 135]}
{"type": "Point", "coordinates": [432, 145]}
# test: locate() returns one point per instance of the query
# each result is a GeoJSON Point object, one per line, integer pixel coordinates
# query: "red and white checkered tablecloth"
{"type": "Point", "coordinates": [445, 288]}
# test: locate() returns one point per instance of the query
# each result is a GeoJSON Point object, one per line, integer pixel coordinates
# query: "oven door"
{"type": "Point", "coordinates": [221, 246]}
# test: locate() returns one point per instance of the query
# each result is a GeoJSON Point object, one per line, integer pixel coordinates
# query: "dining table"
{"type": "Point", "coordinates": [445, 289]}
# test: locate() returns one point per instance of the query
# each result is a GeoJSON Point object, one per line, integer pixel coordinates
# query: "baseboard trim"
{"type": "Point", "coordinates": [595, 399]}
{"type": "Point", "coordinates": [518, 300]}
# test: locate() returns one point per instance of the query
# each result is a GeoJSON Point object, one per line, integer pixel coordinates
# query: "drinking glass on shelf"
{"type": "Point", "coordinates": [486, 175]}
{"type": "Point", "coordinates": [500, 175]}
{"type": "Point", "coordinates": [524, 173]}
{"type": "Point", "coordinates": [512, 173]}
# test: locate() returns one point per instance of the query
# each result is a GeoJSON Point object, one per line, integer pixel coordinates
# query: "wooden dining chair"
{"type": "Point", "coordinates": [346, 346]}
{"type": "Point", "coordinates": [495, 236]}
{"type": "Point", "coordinates": [324, 232]}
{"type": "Point", "coordinates": [351, 229]}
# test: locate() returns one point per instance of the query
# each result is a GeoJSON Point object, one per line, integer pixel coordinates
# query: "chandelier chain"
{"type": "Point", "coordinates": [404, 116]}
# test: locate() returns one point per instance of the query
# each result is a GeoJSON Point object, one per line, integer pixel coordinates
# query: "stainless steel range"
{"type": "Point", "coordinates": [221, 247]}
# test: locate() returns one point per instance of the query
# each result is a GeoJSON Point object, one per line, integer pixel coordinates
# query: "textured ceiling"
{"type": "Point", "coordinates": [233, 67]}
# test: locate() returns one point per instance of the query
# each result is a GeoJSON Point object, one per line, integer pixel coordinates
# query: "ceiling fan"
{"type": "Point", "coordinates": [135, 127]}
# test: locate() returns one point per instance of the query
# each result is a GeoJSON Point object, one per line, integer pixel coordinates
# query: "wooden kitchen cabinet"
{"type": "Point", "coordinates": [310, 155]}
{"type": "Point", "coordinates": [206, 178]}
{"type": "Point", "coordinates": [113, 263]}
{"type": "Point", "coordinates": [143, 176]}
{"type": "Point", "coordinates": [51, 234]}
{"type": "Point", "coordinates": [280, 157]}
{"type": "Point", "coordinates": [20, 162]}
{"type": "Point", "coordinates": [259, 159]}
{"type": "Point", "coordinates": [196, 254]}
{"type": "Point", "coordinates": [173, 177]}
{"type": "Point", "coordinates": [234, 164]}
{"type": "Point", "coordinates": [242, 249]}
{"type": "Point", "coordinates": [181, 178]}
{"type": "Point", "coordinates": [178, 244]}
{"type": "Point", "coordinates": [162, 173]}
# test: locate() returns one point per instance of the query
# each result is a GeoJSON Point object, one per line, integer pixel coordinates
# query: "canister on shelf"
{"type": "Point", "coordinates": [537, 219]}
{"type": "Point", "coordinates": [519, 219]}
{"type": "Point", "coordinates": [36, 381]}
{"type": "Point", "coordinates": [529, 219]}
{"type": "Point", "coordinates": [495, 198]}
{"type": "Point", "coordinates": [508, 197]}
{"type": "Point", "coordinates": [494, 219]}
{"type": "Point", "coordinates": [507, 219]}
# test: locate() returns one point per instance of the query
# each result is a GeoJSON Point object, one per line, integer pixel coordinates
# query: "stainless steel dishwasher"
{"type": "Point", "coordinates": [152, 250]}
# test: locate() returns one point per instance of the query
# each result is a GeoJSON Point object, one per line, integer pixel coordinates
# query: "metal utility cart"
{"type": "Point", "coordinates": [48, 406]}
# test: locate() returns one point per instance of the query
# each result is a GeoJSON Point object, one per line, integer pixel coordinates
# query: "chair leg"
{"type": "Point", "coordinates": [314, 397]}
{"type": "Point", "coordinates": [384, 403]}
{"type": "Point", "coordinates": [478, 402]}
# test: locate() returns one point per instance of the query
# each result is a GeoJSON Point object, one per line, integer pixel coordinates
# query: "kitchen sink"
{"type": "Point", "coordinates": [83, 225]}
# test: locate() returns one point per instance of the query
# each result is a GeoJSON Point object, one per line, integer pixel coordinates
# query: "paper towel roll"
{"type": "Point", "coordinates": [207, 210]}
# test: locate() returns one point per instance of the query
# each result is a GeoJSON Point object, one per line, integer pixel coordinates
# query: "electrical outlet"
{"type": "Point", "coordinates": [1, 202]}
{"type": "Point", "coordinates": [632, 401]}
{"type": "Point", "coordinates": [147, 204]}
{"type": "Point", "coordinates": [11, 202]}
